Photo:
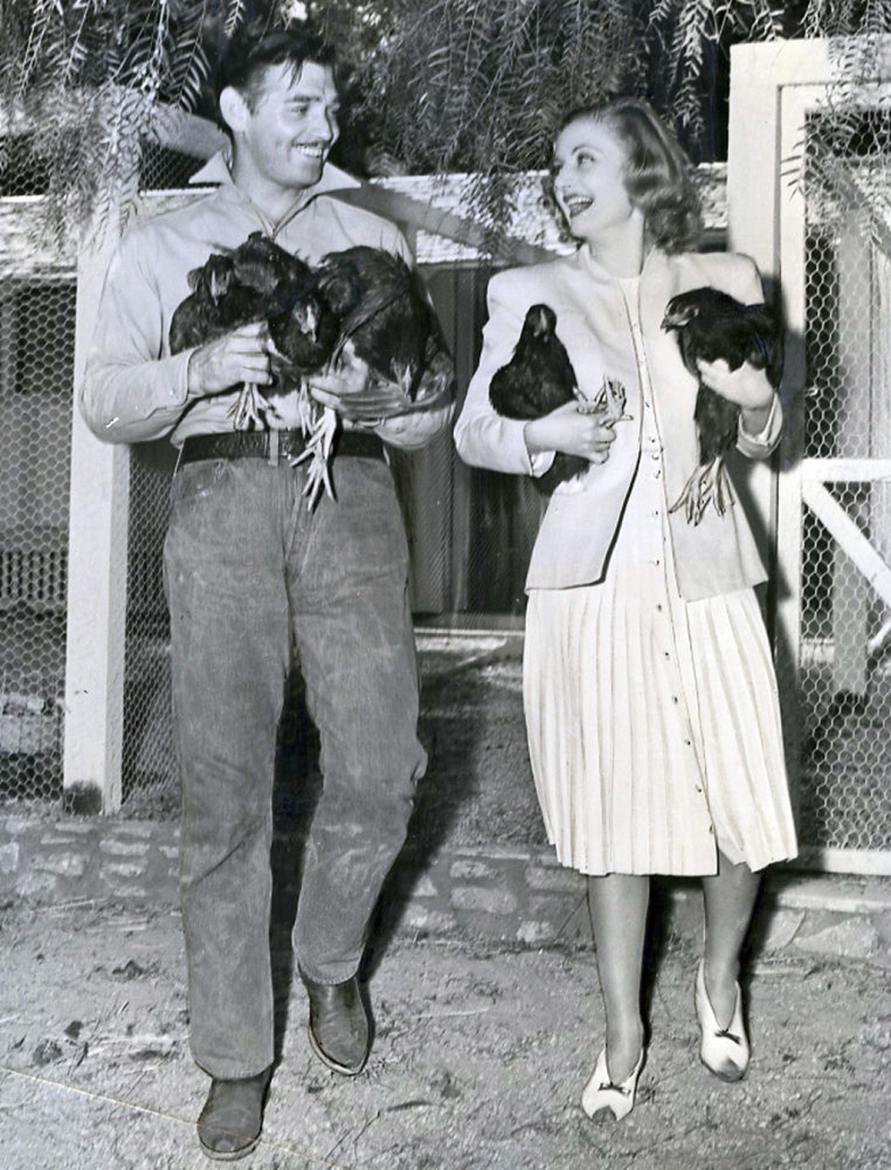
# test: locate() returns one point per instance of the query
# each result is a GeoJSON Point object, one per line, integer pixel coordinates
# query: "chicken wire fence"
{"type": "Point", "coordinates": [844, 667]}
{"type": "Point", "coordinates": [36, 374]}
{"type": "Point", "coordinates": [149, 776]}
{"type": "Point", "coordinates": [471, 531]}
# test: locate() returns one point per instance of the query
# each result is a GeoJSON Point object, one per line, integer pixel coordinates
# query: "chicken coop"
{"type": "Point", "coordinates": [84, 677]}
{"type": "Point", "coordinates": [822, 230]}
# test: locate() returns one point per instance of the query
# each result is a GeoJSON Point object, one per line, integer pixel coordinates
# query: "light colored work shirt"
{"type": "Point", "coordinates": [134, 389]}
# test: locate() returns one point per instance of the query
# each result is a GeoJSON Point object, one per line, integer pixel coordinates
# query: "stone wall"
{"type": "Point", "coordinates": [516, 896]}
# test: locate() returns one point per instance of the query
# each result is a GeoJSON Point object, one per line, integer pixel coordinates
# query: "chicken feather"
{"type": "Point", "coordinates": [710, 325]}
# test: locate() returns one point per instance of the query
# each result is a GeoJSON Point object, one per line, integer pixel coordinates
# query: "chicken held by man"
{"type": "Point", "coordinates": [362, 303]}
{"type": "Point", "coordinates": [385, 318]}
{"type": "Point", "coordinates": [257, 281]}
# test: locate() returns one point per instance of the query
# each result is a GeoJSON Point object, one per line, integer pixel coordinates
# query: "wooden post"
{"type": "Point", "coordinates": [97, 590]}
{"type": "Point", "coordinates": [765, 220]}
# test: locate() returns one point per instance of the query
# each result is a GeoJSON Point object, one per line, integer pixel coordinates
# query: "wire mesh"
{"type": "Point", "coordinates": [150, 785]}
{"type": "Point", "coordinates": [845, 633]}
{"type": "Point", "coordinates": [36, 377]}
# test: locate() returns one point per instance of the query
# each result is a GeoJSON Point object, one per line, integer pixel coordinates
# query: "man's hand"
{"type": "Point", "coordinates": [351, 390]}
{"type": "Point", "coordinates": [241, 356]}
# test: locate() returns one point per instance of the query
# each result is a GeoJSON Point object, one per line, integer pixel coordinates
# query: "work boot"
{"type": "Point", "coordinates": [232, 1118]}
{"type": "Point", "coordinates": [338, 1024]}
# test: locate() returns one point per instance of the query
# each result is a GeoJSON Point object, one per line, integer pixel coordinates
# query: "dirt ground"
{"type": "Point", "coordinates": [479, 1060]}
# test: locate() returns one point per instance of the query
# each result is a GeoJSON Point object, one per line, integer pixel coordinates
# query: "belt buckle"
{"type": "Point", "coordinates": [273, 447]}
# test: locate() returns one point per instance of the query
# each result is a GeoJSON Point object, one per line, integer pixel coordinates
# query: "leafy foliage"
{"type": "Point", "coordinates": [434, 85]}
{"type": "Point", "coordinates": [82, 80]}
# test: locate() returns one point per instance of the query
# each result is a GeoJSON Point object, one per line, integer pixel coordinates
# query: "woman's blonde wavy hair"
{"type": "Point", "coordinates": [657, 173]}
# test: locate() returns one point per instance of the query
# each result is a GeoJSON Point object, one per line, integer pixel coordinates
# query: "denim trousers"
{"type": "Point", "coordinates": [250, 572]}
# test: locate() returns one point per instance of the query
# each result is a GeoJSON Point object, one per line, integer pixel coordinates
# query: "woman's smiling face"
{"type": "Point", "coordinates": [588, 170]}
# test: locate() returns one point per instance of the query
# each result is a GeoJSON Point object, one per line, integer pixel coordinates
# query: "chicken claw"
{"type": "Point", "coordinates": [320, 427]}
{"type": "Point", "coordinates": [251, 409]}
{"type": "Point", "coordinates": [709, 484]}
{"type": "Point", "coordinates": [610, 402]}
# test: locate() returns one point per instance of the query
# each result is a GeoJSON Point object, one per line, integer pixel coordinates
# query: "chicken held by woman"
{"type": "Point", "coordinates": [539, 378]}
{"type": "Point", "coordinates": [711, 325]}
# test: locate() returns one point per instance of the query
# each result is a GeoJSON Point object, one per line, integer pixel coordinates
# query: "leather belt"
{"type": "Point", "coordinates": [256, 444]}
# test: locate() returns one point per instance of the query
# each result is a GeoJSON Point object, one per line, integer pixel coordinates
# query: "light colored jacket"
{"type": "Point", "coordinates": [716, 556]}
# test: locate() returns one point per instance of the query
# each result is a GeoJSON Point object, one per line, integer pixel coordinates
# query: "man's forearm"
{"type": "Point", "coordinates": [135, 403]}
{"type": "Point", "coordinates": [414, 430]}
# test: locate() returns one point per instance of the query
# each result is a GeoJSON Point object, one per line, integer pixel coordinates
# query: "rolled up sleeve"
{"type": "Point", "coordinates": [763, 444]}
{"type": "Point", "coordinates": [750, 291]}
{"type": "Point", "coordinates": [132, 390]}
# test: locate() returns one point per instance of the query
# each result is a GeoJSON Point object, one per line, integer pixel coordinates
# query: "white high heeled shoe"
{"type": "Point", "coordinates": [601, 1093]}
{"type": "Point", "coordinates": [723, 1051]}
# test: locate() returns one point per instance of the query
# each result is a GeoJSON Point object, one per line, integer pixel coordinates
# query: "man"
{"type": "Point", "coordinates": [249, 569]}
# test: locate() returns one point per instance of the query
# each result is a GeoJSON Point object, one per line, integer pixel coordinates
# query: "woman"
{"type": "Point", "coordinates": [649, 689]}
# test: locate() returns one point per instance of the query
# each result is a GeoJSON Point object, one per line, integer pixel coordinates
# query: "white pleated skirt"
{"type": "Point", "coordinates": [654, 727]}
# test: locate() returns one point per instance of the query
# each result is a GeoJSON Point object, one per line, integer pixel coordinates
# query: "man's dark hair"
{"type": "Point", "coordinates": [255, 47]}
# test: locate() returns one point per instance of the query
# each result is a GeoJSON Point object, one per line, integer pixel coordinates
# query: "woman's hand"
{"type": "Point", "coordinates": [568, 430]}
{"type": "Point", "coordinates": [746, 386]}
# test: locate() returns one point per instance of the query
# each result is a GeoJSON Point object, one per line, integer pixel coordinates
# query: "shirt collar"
{"type": "Point", "coordinates": [216, 171]}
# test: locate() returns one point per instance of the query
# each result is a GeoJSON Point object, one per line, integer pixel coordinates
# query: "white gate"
{"type": "Point", "coordinates": [808, 195]}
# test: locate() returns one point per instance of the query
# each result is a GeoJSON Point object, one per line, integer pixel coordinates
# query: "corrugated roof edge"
{"type": "Point", "coordinates": [531, 223]}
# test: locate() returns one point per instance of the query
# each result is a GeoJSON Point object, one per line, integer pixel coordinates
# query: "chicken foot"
{"type": "Point", "coordinates": [709, 484]}
{"type": "Point", "coordinates": [251, 409]}
{"type": "Point", "coordinates": [319, 425]}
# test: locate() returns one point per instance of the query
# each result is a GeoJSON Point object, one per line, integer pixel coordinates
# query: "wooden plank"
{"type": "Point", "coordinates": [853, 348]}
{"type": "Point", "coordinates": [850, 538]}
{"type": "Point", "coordinates": [876, 862]}
{"type": "Point", "coordinates": [97, 590]}
{"type": "Point", "coordinates": [834, 470]}
{"type": "Point", "coordinates": [26, 251]}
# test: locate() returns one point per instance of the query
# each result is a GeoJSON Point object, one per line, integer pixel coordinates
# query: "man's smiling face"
{"type": "Point", "coordinates": [289, 125]}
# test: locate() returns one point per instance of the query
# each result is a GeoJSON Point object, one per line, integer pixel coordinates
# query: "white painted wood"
{"type": "Point", "coordinates": [97, 584]}
{"type": "Point", "coordinates": [850, 538]}
{"type": "Point", "coordinates": [765, 220]}
{"type": "Point", "coordinates": [773, 87]}
{"type": "Point", "coordinates": [876, 862]}
{"type": "Point", "coordinates": [846, 470]}
{"type": "Point", "coordinates": [854, 344]}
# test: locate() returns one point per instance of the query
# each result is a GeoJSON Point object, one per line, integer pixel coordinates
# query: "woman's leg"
{"type": "Point", "coordinates": [730, 898]}
{"type": "Point", "coordinates": [618, 907]}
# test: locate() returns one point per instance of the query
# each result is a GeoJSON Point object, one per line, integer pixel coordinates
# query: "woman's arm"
{"type": "Point", "coordinates": [761, 415]}
{"type": "Point", "coordinates": [571, 432]}
{"type": "Point", "coordinates": [485, 438]}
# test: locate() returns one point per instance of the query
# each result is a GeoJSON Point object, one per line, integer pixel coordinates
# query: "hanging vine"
{"type": "Point", "coordinates": [434, 85]}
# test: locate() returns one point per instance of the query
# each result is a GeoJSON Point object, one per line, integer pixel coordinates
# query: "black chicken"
{"type": "Point", "coordinates": [257, 281]}
{"type": "Point", "coordinates": [212, 309]}
{"type": "Point", "coordinates": [384, 316]}
{"type": "Point", "coordinates": [362, 301]}
{"type": "Point", "coordinates": [538, 378]}
{"type": "Point", "coordinates": [712, 325]}
{"type": "Point", "coordinates": [369, 304]}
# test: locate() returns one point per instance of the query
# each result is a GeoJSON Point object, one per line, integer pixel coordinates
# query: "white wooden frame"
{"type": "Point", "coordinates": [97, 589]}
{"type": "Point", "coordinates": [773, 89]}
